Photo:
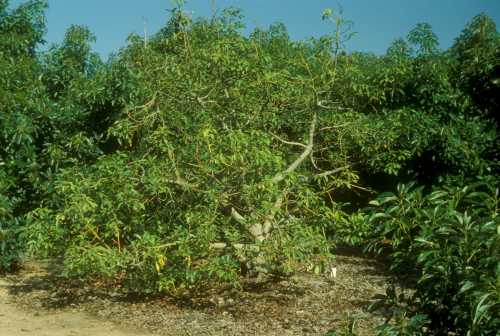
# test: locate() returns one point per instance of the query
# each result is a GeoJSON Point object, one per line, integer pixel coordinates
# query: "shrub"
{"type": "Point", "coordinates": [448, 240]}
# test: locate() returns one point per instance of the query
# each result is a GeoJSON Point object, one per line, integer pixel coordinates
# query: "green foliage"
{"type": "Point", "coordinates": [202, 155]}
{"type": "Point", "coordinates": [348, 329]}
{"type": "Point", "coordinates": [476, 55]}
{"type": "Point", "coordinates": [38, 135]}
{"type": "Point", "coordinates": [70, 63]}
{"type": "Point", "coordinates": [424, 39]}
{"type": "Point", "coordinates": [448, 240]}
{"type": "Point", "coordinates": [11, 243]}
{"type": "Point", "coordinates": [196, 152]}
{"type": "Point", "coordinates": [21, 104]}
{"type": "Point", "coordinates": [22, 29]}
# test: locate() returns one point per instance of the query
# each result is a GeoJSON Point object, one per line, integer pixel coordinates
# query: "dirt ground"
{"type": "Point", "coordinates": [15, 321]}
{"type": "Point", "coordinates": [37, 302]}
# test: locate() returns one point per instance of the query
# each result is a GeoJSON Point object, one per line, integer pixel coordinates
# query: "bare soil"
{"type": "Point", "coordinates": [15, 321]}
{"type": "Point", "coordinates": [36, 301]}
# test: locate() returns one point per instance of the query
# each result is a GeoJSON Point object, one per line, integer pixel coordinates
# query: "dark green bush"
{"type": "Point", "coordinates": [448, 242]}
{"type": "Point", "coordinates": [22, 104]}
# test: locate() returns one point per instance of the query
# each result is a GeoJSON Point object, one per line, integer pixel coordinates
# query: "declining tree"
{"type": "Point", "coordinates": [201, 156]}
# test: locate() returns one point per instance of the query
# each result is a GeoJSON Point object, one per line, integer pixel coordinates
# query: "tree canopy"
{"type": "Point", "coordinates": [203, 155]}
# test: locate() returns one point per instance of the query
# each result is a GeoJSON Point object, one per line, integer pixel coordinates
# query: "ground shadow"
{"type": "Point", "coordinates": [317, 302]}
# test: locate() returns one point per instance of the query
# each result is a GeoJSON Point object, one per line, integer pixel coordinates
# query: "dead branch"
{"type": "Point", "coordinates": [307, 151]}
{"type": "Point", "coordinates": [183, 183]}
{"type": "Point", "coordinates": [313, 161]}
{"type": "Point", "coordinates": [146, 105]}
{"type": "Point", "coordinates": [288, 142]}
{"type": "Point", "coordinates": [334, 127]}
{"type": "Point", "coordinates": [333, 171]}
{"type": "Point", "coordinates": [321, 103]}
{"type": "Point", "coordinates": [237, 217]}
{"type": "Point", "coordinates": [260, 231]}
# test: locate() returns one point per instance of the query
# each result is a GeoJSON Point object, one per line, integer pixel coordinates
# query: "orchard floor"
{"type": "Point", "coordinates": [34, 302]}
{"type": "Point", "coordinates": [19, 321]}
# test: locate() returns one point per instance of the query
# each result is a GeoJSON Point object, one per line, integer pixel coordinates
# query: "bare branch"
{"type": "Point", "coordinates": [148, 104]}
{"type": "Point", "coordinates": [333, 171]}
{"type": "Point", "coordinates": [307, 151]}
{"type": "Point", "coordinates": [313, 161]}
{"type": "Point", "coordinates": [321, 103]}
{"type": "Point", "coordinates": [218, 246]}
{"type": "Point", "coordinates": [364, 189]}
{"type": "Point", "coordinates": [333, 127]}
{"type": "Point", "coordinates": [260, 231]}
{"type": "Point", "coordinates": [237, 246]}
{"type": "Point", "coordinates": [237, 217]}
{"type": "Point", "coordinates": [288, 142]}
{"type": "Point", "coordinates": [183, 183]}
{"type": "Point", "coordinates": [203, 100]}
{"type": "Point", "coordinates": [276, 206]}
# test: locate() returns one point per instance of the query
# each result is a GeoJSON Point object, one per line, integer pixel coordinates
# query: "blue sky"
{"type": "Point", "coordinates": [377, 22]}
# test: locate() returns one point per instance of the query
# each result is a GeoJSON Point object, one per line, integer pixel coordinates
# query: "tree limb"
{"type": "Point", "coordinates": [288, 142]}
{"type": "Point", "coordinates": [333, 171]}
{"type": "Point", "coordinates": [334, 127]}
{"type": "Point", "coordinates": [261, 231]}
{"type": "Point", "coordinates": [183, 183]}
{"type": "Point", "coordinates": [308, 149]}
{"type": "Point", "coordinates": [237, 217]}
